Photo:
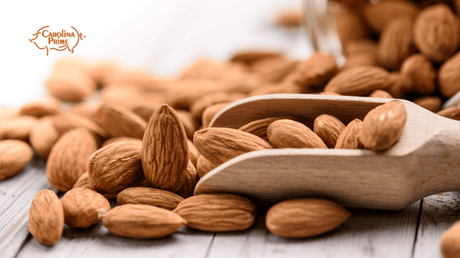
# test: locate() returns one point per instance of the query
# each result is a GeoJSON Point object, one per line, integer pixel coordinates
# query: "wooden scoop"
{"type": "Point", "coordinates": [425, 160]}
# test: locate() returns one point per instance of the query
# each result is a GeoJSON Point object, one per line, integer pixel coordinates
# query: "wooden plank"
{"type": "Point", "coordinates": [16, 194]}
{"type": "Point", "coordinates": [367, 233]}
{"type": "Point", "coordinates": [98, 242]}
{"type": "Point", "coordinates": [439, 212]}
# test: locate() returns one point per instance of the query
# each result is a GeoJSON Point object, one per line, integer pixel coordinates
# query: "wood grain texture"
{"type": "Point", "coordinates": [439, 212]}
{"type": "Point", "coordinates": [424, 161]}
{"type": "Point", "coordinates": [16, 194]}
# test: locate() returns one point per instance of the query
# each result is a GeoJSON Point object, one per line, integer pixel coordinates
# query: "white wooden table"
{"type": "Point", "coordinates": [169, 37]}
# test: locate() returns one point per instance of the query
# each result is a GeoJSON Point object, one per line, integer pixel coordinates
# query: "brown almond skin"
{"type": "Point", "coordinates": [119, 139]}
{"type": "Point", "coordinates": [198, 106]}
{"type": "Point", "coordinates": [450, 242]}
{"type": "Point", "coordinates": [419, 74]}
{"type": "Point", "coordinates": [349, 25]}
{"type": "Point", "coordinates": [285, 133]}
{"type": "Point", "coordinates": [362, 46]}
{"type": "Point", "coordinates": [217, 212]}
{"type": "Point", "coordinates": [188, 122]}
{"type": "Point", "coordinates": [436, 32]}
{"type": "Point", "coordinates": [69, 121]}
{"type": "Point", "coordinates": [383, 125]}
{"type": "Point", "coordinates": [204, 166]}
{"type": "Point", "coordinates": [432, 103]}
{"type": "Point", "coordinates": [452, 113]}
{"type": "Point", "coordinates": [273, 70]}
{"type": "Point", "coordinates": [305, 217]}
{"type": "Point", "coordinates": [396, 43]}
{"type": "Point", "coordinates": [188, 187]}
{"type": "Point", "coordinates": [378, 15]}
{"type": "Point", "coordinates": [41, 108]}
{"type": "Point", "coordinates": [219, 145]}
{"type": "Point", "coordinates": [193, 152]}
{"type": "Point", "coordinates": [360, 59]}
{"type": "Point", "coordinates": [83, 207]}
{"type": "Point", "coordinates": [315, 71]}
{"type": "Point", "coordinates": [211, 111]}
{"type": "Point", "coordinates": [359, 81]}
{"type": "Point", "coordinates": [14, 156]}
{"type": "Point", "coordinates": [141, 221]}
{"type": "Point", "coordinates": [449, 77]}
{"type": "Point", "coordinates": [43, 136]}
{"type": "Point", "coordinates": [149, 196]}
{"type": "Point", "coordinates": [259, 127]}
{"type": "Point", "coordinates": [349, 138]}
{"type": "Point", "coordinates": [116, 167]}
{"type": "Point", "coordinates": [83, 182]}
{"type": "Point", "coordinates": [46, 218]}
{"type": "Point", "coordinates": [69, 157]}
{"type": "Point", "coordinates": [119, 121]}
{"type": "Point", "coordinates": [381, 94]}
{"type": "Point", "coordinates": [17, 128]}
{"type": "Point", "coordinates": [249, 57]}
{"type": "Point", "coordinates": [165, 150]}
{"type": "Point", "coordinates": [328, 128]}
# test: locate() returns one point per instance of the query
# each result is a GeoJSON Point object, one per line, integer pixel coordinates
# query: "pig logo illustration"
{"type": "Point", "coordinates": [50, 39]}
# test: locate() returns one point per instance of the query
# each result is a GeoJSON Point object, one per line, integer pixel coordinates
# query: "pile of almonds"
{"type": "Point", "coordinates": [135, 144]}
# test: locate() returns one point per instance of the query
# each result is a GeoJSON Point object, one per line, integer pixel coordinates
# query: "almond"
{"type": "Point", "coordinates": [289, 18]}
{"type": "Point", "coordinates": [192, 152]}
{"type": "Point", "coordinates": [69, 157]}
{"type": "Point", "coordinates": [436, 32]}
{"type": "Point", "coordinates": [83, 207]}
{"type": "Point", "coordinates": [198, 106]}
{"type": "Point", "coordinates": [251, 56]}
{"type": "Point", "coordinates": [165, 150]}
{"type": "Point", "coordinates": [145, 111]}
{"type": "Point", "coordinates": [46, 218]}
{"type": "Point", "coordinates": [14, 156]}
{"type": "Point", "coordinates": [118, 121]}
{"type": "Point", "coordinates": [328, 128]}
{"type": "Point", "coordinates": [418, 74]}
{"type": "Point", "coordinates": [210, 112]}
{"type": "Point", "coordinates": [142, 221]}
{"type": "Point", "coordinates": [66, 122]}
{"type": "Point", "coordinates": [452, 113]}
{"type": "Point", "coordinates": [83, 182]}
{"type": "Point", "coordinates": [116, 167]}
{"type": "Point", "coordinates": [383, 125]}
{"type": "Point", "coordinates": [359, 81]}
{"type": "Point", "coordinates": [396, 43]}
{"type": "Point", "coordinates": [259, 127]}
{"type": "Point", "coordinates": [219, 145]}
{"type": "Point", "coordinates": [362, 46]}
{"type": "Point", "coordinates": [288, 87]}
{"type": "Point", "coordinates": [273, 70]}
{"type": "Point", "coordinates": [285, 133]}
{"type": "Point", "coordinates": [380, 94]}
{"type": "Point", "coordinates": [188, 122]}
{"type": "Point", "coordinates": [203, 166]}
{"type": "Point", "coordinates": [431, 103]}
{"type": "Point", "coordinates": [40, 108]}
{"type": "Point", "coordinates": [450, 242]}
{"type": "Point", "coordinates": [305, 217]}
{"type": "Point", "coordinates": [217, 212]}
{"type": "Point", "coordinates": [398, 86]}
{"type": "Point", "coordinates": [17, 128]}
{"type": "Point", "coordinates": [349, 138]}
{"type": "Point", "coordinates": [361, 59]}
{"type": "Point", "coordinates": [43, 136]}
{"type": "Point", "coordinates": [378, 15]}
{"type": "Point", "coordinates": [315, 72]}
{"type": "Point", "coordinates": [190, 182]}
{"type": "Point", "coordinates": [183, 94]}
{"type": "Point", "coordinates": [149, 196]}
{"type": "Point", "coordinates": [119, 139]}
{"type": "Point", "coordinates": [448, 76]}
{"type": "Point", "coordinates": [349, 25]}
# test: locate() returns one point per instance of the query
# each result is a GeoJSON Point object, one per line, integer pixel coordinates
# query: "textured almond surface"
{"type": "Point", "coordinates": [419, 74]}
{"type": "Point", "coordinates": [219, 145]}
{"type": "Point", "coordinates": [305, 217]}
{"type": "Point", "coordinates": [118, 121]}
{"type": "Point", "coordinates": [142, 221]}
{"type": "Point", "coordinates": [449, 77]}
{"type": "Point", "coordinates": [383, 125]}
{"type": "Point", "coordinates": [70, 121]}
{"type": "Point", "coordinates": [149, 196]}
{"type": "Point", "coordinates": [436, 32]}
{"type": "Point", "coordinates": [328, 128]}
{"type": "Point", "coordinates": [259, 127]}
{"type": "Point", "coordinates": [359, 81]}
{"type": "Point", "coordinates": [14, 156]}
{"type": "Point", "coordinates": [450, 242]}
{"type": "Point", "coordinates": [349, 138]}
{"type": "Point", "coordinates": [83, 207]}
{"type": "Point", "coordinates": [116, 167]}
{"type": "Point", "coordinates": [165, 150]}
{"type": "Point", "coordinates": [287, 133]}
{"type": "Point", "coordinates": [43, 136]}
{"type": "Point", "coordinates": [69, 157]}
{"type": "Point", "coordinates": [46, 218]}
{"type": "Point", "coordinates": [217, 212]}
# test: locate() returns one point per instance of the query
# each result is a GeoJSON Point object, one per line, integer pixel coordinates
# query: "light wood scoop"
{"type": "Point", "coordinates": [425, 160]}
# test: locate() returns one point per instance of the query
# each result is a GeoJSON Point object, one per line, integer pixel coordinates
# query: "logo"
{"type": "Point", "coordinates": [60, 40]}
